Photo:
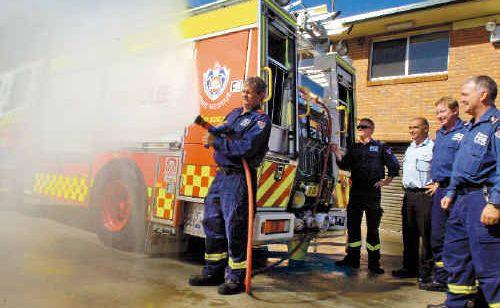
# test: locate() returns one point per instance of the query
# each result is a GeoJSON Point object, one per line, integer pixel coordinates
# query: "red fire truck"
{"type": "Point", "coordinates": [138, 194]}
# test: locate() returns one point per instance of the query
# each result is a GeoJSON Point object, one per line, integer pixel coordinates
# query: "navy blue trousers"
{"type": "Point", "coordinates": [438, 227]}
{"type": "Point", "coordinates": [225, 222]}
{"type": "Point", "coordinates": [367, 200]}
{"type": "Point", "coordinates": [471, 251]}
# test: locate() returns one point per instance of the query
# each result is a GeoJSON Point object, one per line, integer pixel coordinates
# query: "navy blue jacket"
{"type": "Point", "coordinates": [476, 160]}
{"type": "Point", "coordinates": [445, 147]}
{"type": "Point", "coordinates": [367, 161]}
{"type": "Point", "coordinates": [243, 135]}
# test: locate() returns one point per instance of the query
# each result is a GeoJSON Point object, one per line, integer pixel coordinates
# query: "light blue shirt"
{"type": "Point", "coordinates": [417, 164]}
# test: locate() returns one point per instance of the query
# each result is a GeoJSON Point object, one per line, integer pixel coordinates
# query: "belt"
{"type": "Point", "coordinates": [416, 189]}
{"type": "Point", "coordinates": [444, 183]}
{"type": "Point", "coordinates": [230, 170]}
{"type": "Point", "coordinates": [468, 189]}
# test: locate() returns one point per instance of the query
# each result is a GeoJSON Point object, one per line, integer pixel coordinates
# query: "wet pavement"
{"type": "Point", "coordinates": [46, 263]}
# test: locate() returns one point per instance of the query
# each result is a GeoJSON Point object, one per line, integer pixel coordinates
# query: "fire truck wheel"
{"type": "Point", "coordinates": [119, 203]}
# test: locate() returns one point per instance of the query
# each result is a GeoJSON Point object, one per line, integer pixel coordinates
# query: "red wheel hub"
{"type": "Point", "coordinates": [116, 206]}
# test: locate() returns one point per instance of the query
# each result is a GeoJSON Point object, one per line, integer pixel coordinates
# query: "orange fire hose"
{"type": "Point", "coordinates": [248, 275]}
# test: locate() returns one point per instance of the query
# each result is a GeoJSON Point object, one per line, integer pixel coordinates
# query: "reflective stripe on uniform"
{"type": "Point", "coordinates": [355, 244]}
{"type": "Point", "coordinates": [237, 265]}
{"type": "Point", "coordinates": [439, 264]}
{"type": "Point", "coordinates": [457, 289]}
{"type": "Point", "coordinates": [372, 248]}
{"type": "Point", "coordinates": [495, 305]}
{"type": "Point", "coordinates": [215, 256]}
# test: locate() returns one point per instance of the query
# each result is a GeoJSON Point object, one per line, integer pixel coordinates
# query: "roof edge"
{"type": "Point", "coordinates": [397, 11]}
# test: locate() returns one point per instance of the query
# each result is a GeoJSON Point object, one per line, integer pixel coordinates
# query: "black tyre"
{"type": "Point", "coordinates": [119, 203]}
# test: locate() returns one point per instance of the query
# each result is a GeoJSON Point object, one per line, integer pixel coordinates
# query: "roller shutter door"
{"type": "Point", "coordinates": [392, 195]}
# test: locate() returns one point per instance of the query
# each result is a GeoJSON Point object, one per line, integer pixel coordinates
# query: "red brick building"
{"type": "Point", "coordinates": [408, 57]}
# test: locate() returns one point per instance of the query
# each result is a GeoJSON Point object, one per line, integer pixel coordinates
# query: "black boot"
{"type": "Point", "coordinates": [374, 261]}
{"type": "Point", "coordinates": [425, 274]}
{"type": "Point", "coordinates": [231, 288]}
{"type": "Point", "coordinates": [201, 280]}
{"type": "Point", "coordinates": [404, 273]}
{"type": "Point", "coordinates": [433, 286]}
{"type": "Point", "coordinates": [349, 260]}
{"type": "Point", "coordinates": [374, 267]}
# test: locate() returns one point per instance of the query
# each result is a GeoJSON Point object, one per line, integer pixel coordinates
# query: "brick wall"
{"type": "Point", "coordinates": [392, 105]}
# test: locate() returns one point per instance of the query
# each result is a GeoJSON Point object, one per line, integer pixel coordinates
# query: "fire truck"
{"type": "Point", "coordinates": [139, 196]}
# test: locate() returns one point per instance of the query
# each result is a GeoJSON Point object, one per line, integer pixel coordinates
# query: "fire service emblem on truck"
{"type": "Point", "coordinates": [215, 82]}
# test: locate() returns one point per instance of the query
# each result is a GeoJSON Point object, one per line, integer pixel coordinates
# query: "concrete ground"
{"type": "Point", "coordinates": [46, 263]}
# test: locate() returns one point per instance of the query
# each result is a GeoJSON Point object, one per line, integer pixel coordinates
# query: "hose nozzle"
{"type": "Point", "coordinates": [201, 122]}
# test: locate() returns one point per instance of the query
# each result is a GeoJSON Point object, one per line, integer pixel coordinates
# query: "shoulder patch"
{"type": "Point", "coordinates": [493, 119]}
{"type": "Point", "coordinates": [245, 122]}
{"type": "Point", "coordinates": [261, 124]}
{"type": "Point", "coordinates": [457, 137]}
{"type": "Point", "coordinates": [481, 139]}
{"type": "Point", "coordinates": [497, 133]}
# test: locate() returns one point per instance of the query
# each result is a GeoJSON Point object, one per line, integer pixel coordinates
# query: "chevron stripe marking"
{"type": "Point", "coordinates": [284, 195]}
{"type": "Point", "coordinates": [267, 173]}
{"type": "Point", "coordinates": [284, 184]}
{"type": "Point", "coordinates": [275, 185]}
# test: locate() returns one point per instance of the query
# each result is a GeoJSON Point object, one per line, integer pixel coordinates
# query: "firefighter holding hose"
{"type": "Point", "coordinates": [243, 135]}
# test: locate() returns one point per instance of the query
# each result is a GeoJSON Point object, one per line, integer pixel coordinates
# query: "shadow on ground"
{"type": "Point", "coordinates": [320, 279]}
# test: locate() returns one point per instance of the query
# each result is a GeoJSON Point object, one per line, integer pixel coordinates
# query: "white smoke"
{"type": "Point", "coordinates": [97, 73]}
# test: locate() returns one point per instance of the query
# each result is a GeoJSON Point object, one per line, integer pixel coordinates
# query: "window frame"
{"type": "Point", "coordinates": [407, 60]}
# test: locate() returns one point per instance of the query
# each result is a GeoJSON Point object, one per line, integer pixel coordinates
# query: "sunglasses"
{"type": "Point", "coordinates": [363, 127]}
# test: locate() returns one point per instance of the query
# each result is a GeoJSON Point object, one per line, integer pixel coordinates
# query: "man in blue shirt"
{"type": "Point", "coordinates": [447, 141]}
{"type": "Point", "coordinates": [472, 240]}
{"type": "Point", "coordinates": [244, 134]}
{"type": "Point", "coordinates": [416, 209]}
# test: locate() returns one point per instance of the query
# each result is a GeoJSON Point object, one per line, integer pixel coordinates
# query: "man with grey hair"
{"type": "Point", "coordinates": [472, 240]}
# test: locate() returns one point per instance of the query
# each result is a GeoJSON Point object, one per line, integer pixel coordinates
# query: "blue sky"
{"type": "Point", "coordinates": [348, 7]}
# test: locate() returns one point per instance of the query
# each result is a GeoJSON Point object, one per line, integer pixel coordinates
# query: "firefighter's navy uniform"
{"type": "Point", "coordinates": [366, 163]}
{"type": "Point", "coordinates": [243, 135]}
{"type": "Point", "coordinates": [472, 249]}
{"type": "Point", "coordinates": [445, 148]}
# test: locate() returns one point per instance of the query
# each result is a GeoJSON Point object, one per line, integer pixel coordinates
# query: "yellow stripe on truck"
{"type": "Point", "coordinates": [286, 183]}
{"type": "Point", "coordinates": [218, 20]}
{"type": "Point", "coordinates": [164, 202]}
{"type": "Point", "coordinates": [272, 192]}
{"type": "Point", "coordinates": [196, 180]}
{"type": "Point", "coordinates": [59, 186]}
